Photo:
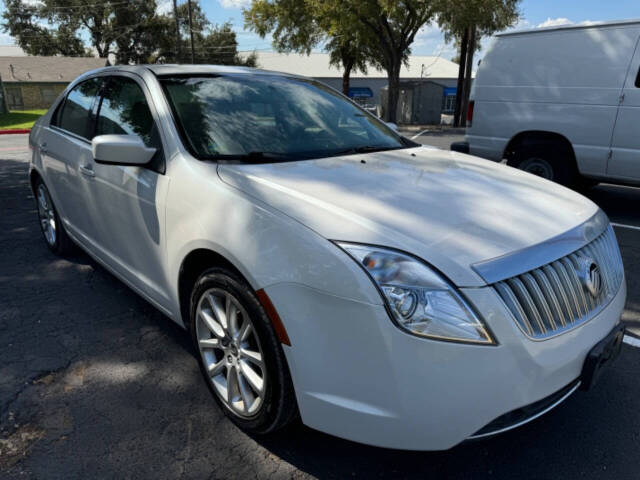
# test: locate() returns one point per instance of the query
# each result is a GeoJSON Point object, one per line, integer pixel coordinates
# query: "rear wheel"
{"type": "Point", "coordinates": [550, 161]}
{"type": "Point", "coordinates": [239, 353]}
{"type": "Point", "coordinates": [52, 229]}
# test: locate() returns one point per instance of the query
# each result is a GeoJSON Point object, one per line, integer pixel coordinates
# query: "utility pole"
{"type": "Point", "coordinates": [193, 52]}
{"type": "Point", "coordinates": [178, 42]}
{"type": "Point", "coordinates": [467, 75]}
{"type": "Point", "coordinates": [464, 44]}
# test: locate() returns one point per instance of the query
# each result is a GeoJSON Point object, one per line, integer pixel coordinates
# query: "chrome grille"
{"type": "Point", "coordinates": [552, 299]}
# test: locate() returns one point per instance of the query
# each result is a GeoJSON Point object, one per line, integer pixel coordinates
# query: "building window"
{"type": "Point", "coordinates": [449, 104]}
{"type": "Point", "coordinates": [14, 98]}
{"type": "Point", "coordinates": [48, 95]}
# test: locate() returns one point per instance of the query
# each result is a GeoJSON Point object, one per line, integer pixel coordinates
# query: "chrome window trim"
{"type": "Point", "coordinates": [516, 263]}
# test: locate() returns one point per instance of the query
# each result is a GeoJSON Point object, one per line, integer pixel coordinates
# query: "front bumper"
{"type": "Point", "coordinates": [359, 377]}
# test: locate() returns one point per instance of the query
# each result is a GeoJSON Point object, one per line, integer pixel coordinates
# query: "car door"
{"type": "Point", "coordinates": [624, 162]}
{"type": "Point", "coordinates": [130, 200]}
{"type": "Point", "coordinates": [65, 149]}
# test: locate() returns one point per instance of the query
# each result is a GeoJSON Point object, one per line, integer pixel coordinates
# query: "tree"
{"type": "Point", "coordinates": [296, 27]}
{"type": "Point", "coordinates": [385, 28]}
{"type": "Point", "coordinates": [468, 22]}
{"type": "Point", "coordinates": [390, 27]}
{"type": "Point", "coordinates": [213, 44]}
{"type": "Point", "coordinates": [104, 24]}
{"type": "Point", "coordinates": [347, 52]}
{"type": "Point", "coordinates": [131, 31]}
{"type": "Point", "coordinates": [21, 22]}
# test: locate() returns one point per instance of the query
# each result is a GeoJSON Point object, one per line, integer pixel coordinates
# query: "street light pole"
{"type": "Point", "coordinates": [178, 42]}
{"type": "Point", "coordinates": [193, 52]}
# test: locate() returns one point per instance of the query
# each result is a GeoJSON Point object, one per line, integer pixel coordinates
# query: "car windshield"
{"type": "Point", "coordinates": [271, 118]}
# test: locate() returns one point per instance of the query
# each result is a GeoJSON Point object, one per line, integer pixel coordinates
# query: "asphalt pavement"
{"type": "Point", "coordinates": [96, 383]}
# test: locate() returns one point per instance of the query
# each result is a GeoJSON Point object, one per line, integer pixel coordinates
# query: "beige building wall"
{"type": "Point", "coordinates": [32, 95]}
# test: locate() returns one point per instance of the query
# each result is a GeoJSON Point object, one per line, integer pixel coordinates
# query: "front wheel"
{"type": "Point", "coordinates": [239, 353]}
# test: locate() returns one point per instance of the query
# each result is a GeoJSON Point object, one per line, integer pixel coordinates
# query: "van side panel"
{"type": "Point", "coordinates": [624, 163]}
{"type": "Point", "coordinates": [563, 81]}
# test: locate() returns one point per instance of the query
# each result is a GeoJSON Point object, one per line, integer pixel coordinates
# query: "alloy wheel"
{"type": "Point", "coordinates": [231, 352]}
{"type": "Point", "coordinates": [47, 215]}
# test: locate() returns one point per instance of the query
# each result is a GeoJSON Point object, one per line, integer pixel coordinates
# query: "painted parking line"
{"type": "Point", "coordinates": [421, 133]}
{"type": "Point", "coordinates": [622, 225]}
{"type": "Point", "coordinates": [633, 341]}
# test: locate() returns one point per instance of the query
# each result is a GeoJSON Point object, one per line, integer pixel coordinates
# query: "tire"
{"type": "Point", "coordinates": [52, 229]}
{"type": "Point", "coordinates": [584, 184]}
{"type": "Point", "coordinates": [218, 293]}
{"type": "Point", "coordinates": [551, 161]}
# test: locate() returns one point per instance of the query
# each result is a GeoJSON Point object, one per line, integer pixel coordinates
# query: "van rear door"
{"type": "Point", "coordinates": [624, 162]}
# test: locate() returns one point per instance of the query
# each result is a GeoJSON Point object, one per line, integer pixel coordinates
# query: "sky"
{"type": "Point", "coordinates": [430, 40]}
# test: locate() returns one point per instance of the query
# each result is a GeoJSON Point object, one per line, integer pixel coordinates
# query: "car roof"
{"type": "Point", "coordinates": [175, 69]}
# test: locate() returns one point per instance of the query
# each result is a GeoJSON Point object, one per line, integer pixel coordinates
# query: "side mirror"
{"type": "Point", "coordinates": [392, 126]}
{"type": "Point", "coordinates": [121, 150]}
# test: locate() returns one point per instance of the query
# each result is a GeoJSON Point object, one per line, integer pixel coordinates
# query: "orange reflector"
{"type": "Point", "coordinates": [274, 317]}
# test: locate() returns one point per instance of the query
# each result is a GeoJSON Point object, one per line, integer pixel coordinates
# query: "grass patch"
{"type": "Point", "coordinates": [19, 119]}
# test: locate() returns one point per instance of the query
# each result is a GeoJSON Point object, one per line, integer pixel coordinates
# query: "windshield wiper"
{"type": "Point", "coordinates": [365, 149]}
{"type": "Point", "coordinates": [258, 157]}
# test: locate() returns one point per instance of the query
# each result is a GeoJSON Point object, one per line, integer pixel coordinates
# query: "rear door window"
{"type": "Point", "coordinates": [75, 116]}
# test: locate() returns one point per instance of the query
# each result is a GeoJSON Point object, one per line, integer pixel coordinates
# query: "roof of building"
{"type": "Point", "coordinates": [317, 65]}
{"type": "Point", "coordinates": [46, 69]}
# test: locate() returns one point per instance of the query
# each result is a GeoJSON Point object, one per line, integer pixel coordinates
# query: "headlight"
{"type": "Point", "coordinates": [421, 301]}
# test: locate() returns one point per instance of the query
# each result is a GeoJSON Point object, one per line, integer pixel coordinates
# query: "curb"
{"type": "Point", "coordinates": [14, 131]}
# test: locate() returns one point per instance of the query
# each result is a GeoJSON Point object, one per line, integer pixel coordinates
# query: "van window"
{"type": "Point", "coordinates": [638, 79]}
{"type": "Point", "coordinates": [75, 114]}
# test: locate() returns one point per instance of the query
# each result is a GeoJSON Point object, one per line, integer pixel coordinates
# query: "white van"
{"type": "Point", "coordinates": [562, 103]}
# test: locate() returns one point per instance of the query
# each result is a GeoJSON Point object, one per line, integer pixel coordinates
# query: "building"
{"type": "Point", "coordinates": [33, 82]}
{"type": "Point", "coordinates": [439, 75]}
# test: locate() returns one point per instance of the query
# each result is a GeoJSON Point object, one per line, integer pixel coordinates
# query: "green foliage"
{"type": "Point", "coordinates": [488, 17]}
{"type": "Point", "coordinates": [355, 32]}
{"type": "Point", "coordinates": [22, 21]}
{"type": "Point", "coordinates": [131, 31]}
{"type": "Point", "coordinates": [20, 119]}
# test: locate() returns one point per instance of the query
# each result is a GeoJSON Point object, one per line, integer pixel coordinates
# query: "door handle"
{"type": "Point", "coordinates": [87, 171]}
{"type": "Point", "coordinates": [43, 148]}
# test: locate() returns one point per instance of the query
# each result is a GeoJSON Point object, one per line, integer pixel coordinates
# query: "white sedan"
{"type": "Point", "coordinates": [324, 266]}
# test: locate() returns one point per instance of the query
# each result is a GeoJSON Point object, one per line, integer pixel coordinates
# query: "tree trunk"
{"type": "Point", "coordinates": [193, 52]}
{"type": "Point", "coordinates": [346, 79]}
{"type": "Point", "coordinates": [393, 77]}
{"type": "Point", "coordinates": [178, 54]}
{"type": "Point", "coordinates": [467, 76]}
{"type": "Point", "coordinates": [461, 70]}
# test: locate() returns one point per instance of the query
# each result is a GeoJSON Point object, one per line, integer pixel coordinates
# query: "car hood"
{"type": "Point", "coordinates": [450, 209]}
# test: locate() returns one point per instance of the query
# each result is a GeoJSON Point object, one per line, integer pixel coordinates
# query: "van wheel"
{"type": "Point", "coordinates": [552, 163]}
{"type": "Point", "coordinates": [239, 353]}
{"type": "Point", "coordinates": [50, 225]}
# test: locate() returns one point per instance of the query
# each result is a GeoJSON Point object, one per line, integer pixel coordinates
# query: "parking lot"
{"type": "Point", "coordinates": [96, 383]}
